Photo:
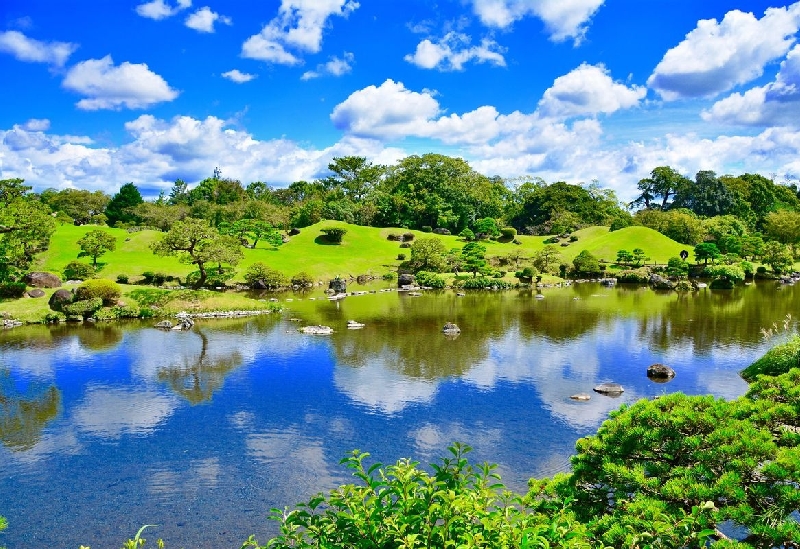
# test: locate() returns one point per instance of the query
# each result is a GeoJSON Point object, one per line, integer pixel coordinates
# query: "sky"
{"type": "Point", "coordinates": [100, 93]}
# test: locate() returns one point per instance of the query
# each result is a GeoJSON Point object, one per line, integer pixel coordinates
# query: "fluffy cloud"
{"type": "Point", "coordinates": [334, 67]}
{"type": "Point", "coordinates": [34, 51]}
{"type": "Point", "coordinates": [113, 87]}
{"type": "Point", "coordinates": [158, 9]}
{"type": "Point", "coordinates": [203, 20]}
{"type": "Point", "coordinates": [298, 26]}
{"type": "Point", "coordinates": [238, 76]}
{"type": "Point", "coordinates": [588, 90]}
{"type": "Point", "coordinates": [562, 18]}
{"type": "Point", "coordinates": [37, 125]}
{"type": "Point", "coordinates": [388, 111]}
{"type": "Point", "coordinates": [453, 51]}
{"type": "Point", "coordinates": [776, 104]}
{"type": "Point", "coordinates": [717, 56]}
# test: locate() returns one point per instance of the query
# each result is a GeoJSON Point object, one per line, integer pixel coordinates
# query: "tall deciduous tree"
{"type": "Point", "coordinates": [193, 241]}
{"type": "Point", "coordinates": [25, 226]}
{"type": "Point", "coordinates": [96, 243]}
{"type": "Point", "coordinates": [658, 189]}
{"type": "Point", "coordinates": [428, 254]}
{"type": "Point", "coordinates": [81, 205]}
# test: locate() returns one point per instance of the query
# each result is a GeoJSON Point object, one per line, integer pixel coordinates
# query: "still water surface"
{"type": "Point", "coordinates": [106, 428]}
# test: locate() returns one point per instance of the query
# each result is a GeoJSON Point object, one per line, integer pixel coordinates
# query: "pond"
{"type": "Point", "coordinates": [109, 427]}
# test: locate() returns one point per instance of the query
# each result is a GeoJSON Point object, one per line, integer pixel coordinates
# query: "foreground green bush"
{"type": "Point", "coordinates": [778, 360]}
{"type": "Point", "coordinates": [75, 270]}
{"type": "Point", "coordinates": [402, 506]}
{"type": "Point", "coordinates": [431, 280]}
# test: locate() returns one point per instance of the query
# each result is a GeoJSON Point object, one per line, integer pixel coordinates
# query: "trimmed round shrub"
{"type": "Point", "coordinates": [467, 234]}
{"type": "Point", "coordinates": [302, 279]}
{"type": "Point", "coordinates": [106, 290]}
{"type": "Point", "coordinates": [778, 360]}
{"type": "Point", "coordinates": [401, 257]}
{"type": "Point", "coordinates": [389, 276]}
{"type": "Point", "coordinates": [408, 237]}
{"type": "Point", "coordinates": [76, 270]}
{"type": "Point", "coordinates": [334, 234]}
{"type": "Point", "coordinates": [508, 233]}
{"type": "Point", "coordinates": [394, 237]}
{"type": "Point", "coordinates": [426, 228]}
{"type": "Point", "coordinates": [122, 279]}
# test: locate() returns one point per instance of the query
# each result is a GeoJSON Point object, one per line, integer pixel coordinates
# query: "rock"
{"type": "Point", "coordinates": [581, 397]}
{"type": "Point", "coordinates": [660, 372]}
{"type": "Point", "coordinates": [539, 296]}
{"type": "Point", "coordinates": [658, 282]}
{"type": "Point", "coordinates": [164, 325]}
{"type": "Point", "coordinates": [42, 280]}
{"type": "Point", "coordinates": [353, 325]}
{"type": "Point", "coordinates": [36, 293]}
{"type": "Point", "coordinates": [451, 329]}
{"type": "Point", "coordinates": [405, 279]}
{"type": "Point", "coordinates": [609, 389]}
{"type": "Point", "coordinates": [338, 285]}
{"type": "Point", "coordinates": [317, 330]}
{"type": "Point", "coordinates": [294, 232]}
{"type": "Point", "coordinates": [258, 285]}
{"type": "Point", "coordinates": [440, 230]}
{"type": "Point", "coordinates": [59, 299]}
{"type": "Point", "coordinates": [608, 281]}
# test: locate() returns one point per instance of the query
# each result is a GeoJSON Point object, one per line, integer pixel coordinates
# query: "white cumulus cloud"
{"type": "Point", "coordinates": [586, 91]}
{"type": "Point", "coordinates": [107, 86]}
{"type": "Point", "coordinates": [717, 56]}
{"type": "Point", "coordinates": [238, 76]}
{"type": "Point", "coordinates": [35, 51]}
{"type": "Point", "coordinates": [776, 104]}
{"type": "Point", "coordinates": [203, 20]}
{"type": "Point", "coordinates": [387, 111]}
{"type": "Point", "coordinates": [453, 51]}
{"type": "Point", "coordinates": [334, 67]}
{"type": "Point", "coordinates": [563, 18]}
{"type": "Point", "coordinates": [159, 9]}
{"type": "Point", "coordinates": [37, 125]}
{"type": "Point", "coordinates": [298, 26]}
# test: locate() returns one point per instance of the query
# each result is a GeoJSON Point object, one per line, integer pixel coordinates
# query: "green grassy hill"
{"type": "Point", "coordinates": [364, 250]}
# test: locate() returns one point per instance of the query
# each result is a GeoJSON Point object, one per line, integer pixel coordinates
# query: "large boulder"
{"type": "Point", "coordinates": [658, 282]}
{"type": "Point", "coordinates": [338, 285]}
{"type": "Point", "coordinates": [42, 280]}
{"type": "Point", "coordinates": [405, 279]}
{"type": "Point", "coordinates": [60, 299]}
{"type": "Point", "coordinates": [441, 230]}
{"type": "Point", "coordinates": [660, 372]}
{"type": "Point", "coordinates": [36, 292]}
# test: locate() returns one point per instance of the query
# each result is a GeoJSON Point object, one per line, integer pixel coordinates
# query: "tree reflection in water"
{"type": "Point", "coordinates": [198, 377]}
{"type": "Point", "coordinates": [23, 416]}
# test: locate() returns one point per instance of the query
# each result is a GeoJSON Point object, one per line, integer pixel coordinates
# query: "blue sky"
{"type": "Point", "coordinates": [100, 93]}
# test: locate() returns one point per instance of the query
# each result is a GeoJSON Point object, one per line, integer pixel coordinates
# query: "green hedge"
{"type": "Point", "coordinates": [776, 361]}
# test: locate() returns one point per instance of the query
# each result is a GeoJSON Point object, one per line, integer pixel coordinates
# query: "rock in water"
{"type": "Point", "coordinates": [451, 329]}
{"type": "Point", "coordinates": [660, 372]}
{"type": "Point", "coordinates": [581, 397]}
{"type": "Point", "coordinates": [609, 389]}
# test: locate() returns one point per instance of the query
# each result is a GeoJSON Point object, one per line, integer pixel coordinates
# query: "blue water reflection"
{"type": "Point", "coordinates": [105, 429]}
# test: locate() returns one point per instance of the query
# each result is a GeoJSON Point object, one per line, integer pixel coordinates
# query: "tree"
{"type": "Point", "coordinates": [546, 258]}
{"type": "Point", "coordinates": [639, 256]}
{"type": "Point", "coordinates": [585, 262]}
{"type": "Point", "coordinates": [122, 206]}
{"type": "Point", "coordinates": [82, 206]}
{"type": "Point", "coordinates": [624, 257]}
{"type": "Point", "coordinates": [193, 241]}
{"type": "Point", "coordinates": [706, 196]}
{"type": "Point", "coordinates": [662, 185]}
{"type": "Point", "coordinates": [783, 226]}
{"type": "Point", "coordinates": [96, 243]}
{"type": "Point", "coordinates": [354, 176]}
{"type": "Point", "coordinates": [487, 227]}
{"type": "Point", "coordinates": [25, 227]}
{"type": "Point", "coordinates": [255, 230]}
{"type": "Point", "coordinates": [705, 251]}
{"type": "Point", "coordinates": [334, 234]}
{"type": "Point", "coordinates": [777, 256]}
{"type": "Point", "coordinates": [428, 254]}
{"type": "Point", "coordinates": [474, 257]}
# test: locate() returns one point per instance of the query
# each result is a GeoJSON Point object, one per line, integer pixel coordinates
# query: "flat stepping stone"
{"type": "Point", "coordinates": [610, 389]}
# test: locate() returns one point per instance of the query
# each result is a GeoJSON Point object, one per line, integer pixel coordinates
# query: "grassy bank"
{"type": "Point", "coordinates": [364, 250]}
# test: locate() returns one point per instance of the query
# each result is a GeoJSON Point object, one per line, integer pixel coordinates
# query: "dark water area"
{"type": "Point", "coordinates": [109, 427]}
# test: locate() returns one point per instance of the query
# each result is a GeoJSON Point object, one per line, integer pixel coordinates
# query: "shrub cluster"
{"type": "Point", "coordinates": [484, 283]}
{"type": "Point", "coordinates": [431, 280]}
{"type": "Point", "coordinates": [12, 290]}
{"type": "Point", "coordinates": [76, 270]}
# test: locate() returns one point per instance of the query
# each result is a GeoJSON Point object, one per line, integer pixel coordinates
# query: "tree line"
{"type": "Point", "coordinates": [739, 215]}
